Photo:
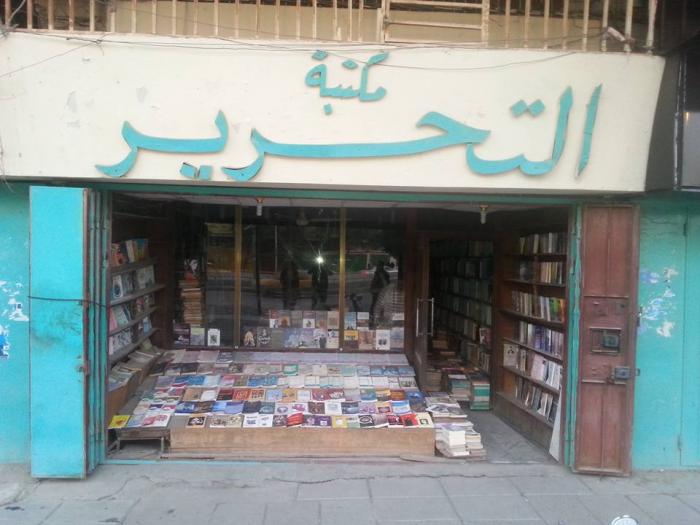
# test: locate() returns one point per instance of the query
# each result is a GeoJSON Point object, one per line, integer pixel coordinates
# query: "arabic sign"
{"type": "Point", "coordinates": [448, 120]}
{"type": "Point", "coordinates": [453, 133]}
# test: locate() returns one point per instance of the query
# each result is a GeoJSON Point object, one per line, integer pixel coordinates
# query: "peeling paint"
{"type": "Point", "coordinates": [660, 305]}
{"type": "Point", "coordinates": [665, 329]}
{"type": "Point", "coordinates": [4, 342]}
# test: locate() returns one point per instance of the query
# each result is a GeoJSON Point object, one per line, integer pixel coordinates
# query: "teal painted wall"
{"type": "Point", "coordinates": [666, 416]}
{"type": "Point", "coordinates": [14, 325]}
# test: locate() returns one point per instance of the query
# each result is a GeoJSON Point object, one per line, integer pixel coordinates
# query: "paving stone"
{"type": "Point", "coordinates": [237, 513]}
{"type": "Point", "coordinates": [606, 507]}
{"type": "Point", "coordinates": [346, 512]}
{"type": "Point", "coordinates": [423, 522]}
{"type": "Point", "coordinates": [297, 513]}
{"type": "Point", "coordinates": [548, 485]}
{"type": "Point", "coordinates": [193, 506]}
{"type": "Point", "coordinates": [27, 513]}
{"type": "Point", "coordinates": [335, 489]}
{"type": "Point", "coordinates": [458, 486]}
{"type": "Point", "coordinates": [406, 488]}
{"type": "Point", "coordinates": [415, 509]}
{"type": "Point", "coordinates": [666, 509]}
{"type": "Point", "coordinates": [558, 509]}
{"type": "Point", "coordinates": [496, 507]}
{"type": "Point", "coordinates": [113, 511]}
{"type": "Point", "coordinates": [693, 500]}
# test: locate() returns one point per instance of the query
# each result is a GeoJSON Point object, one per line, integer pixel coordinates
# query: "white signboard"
{"type": "Point", "coordinates": [212, 112]}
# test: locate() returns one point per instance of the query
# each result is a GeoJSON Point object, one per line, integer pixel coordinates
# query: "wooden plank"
{"type": "Point", "coordinates": [309, 442]}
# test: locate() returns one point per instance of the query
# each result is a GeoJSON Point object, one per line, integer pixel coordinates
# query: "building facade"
{"type": "Point", "coordinates": [483, 111]}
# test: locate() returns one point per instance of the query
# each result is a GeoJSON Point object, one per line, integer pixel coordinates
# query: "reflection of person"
{"type": "Point", "coordinates": [289, 279]}
{"type": "Point", "coordinates": [379, 282]}
{"type": "Point", "coordinates": [390, 301]}
{"type": "Point", "coordinates": [319, 286]}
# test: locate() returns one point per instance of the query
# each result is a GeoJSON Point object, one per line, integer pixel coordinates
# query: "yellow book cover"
{"type": "Point", "coordinates": [118, 422]}
{"type": "Point", "coordinates": [339, 422]}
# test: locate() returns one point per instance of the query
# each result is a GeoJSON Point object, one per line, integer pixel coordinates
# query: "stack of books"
{"type": "Point", "coordinates": [191, 297]}
{"type": "Point", "coordinates": [474, 444]}
{"type": "Point", "coordinates": [450, 440]}
{"type": "Point", "coordinates": [459, 386]}
{"type": "Point", "coordinates": [480, 391]}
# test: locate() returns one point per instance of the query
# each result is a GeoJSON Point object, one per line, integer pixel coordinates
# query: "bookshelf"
{"type": "Point", "coordinates": [461, 279]}
{"type": "Point", "coordinates": [132, 297]}
{"type": "Point", "coordinates": [530, 342]}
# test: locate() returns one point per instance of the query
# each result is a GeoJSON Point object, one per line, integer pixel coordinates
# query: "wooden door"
{"type": "Point", "coordinates": [424, 308]}
{"type": "Point", "coordinates": [609, 267]}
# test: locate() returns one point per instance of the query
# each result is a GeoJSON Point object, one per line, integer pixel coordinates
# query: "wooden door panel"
{"type": "Point", "coordinates": [609, 264]}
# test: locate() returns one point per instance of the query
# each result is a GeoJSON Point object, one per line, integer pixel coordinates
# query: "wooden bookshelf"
{"type": "Point", "coordinates": [461, 272]}
{"type": "Point", "coordinates": [530, 266]}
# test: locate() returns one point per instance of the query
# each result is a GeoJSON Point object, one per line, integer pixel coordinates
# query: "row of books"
{"type": "Point", "coordinates": [129, 251]}
{"type": "Point", "coordinates": [126, 337]}
{"type": "Point", "coordinates": [477, 354]}
{"type": "Point", "coordinates": [540, 306]}
{"type": "Point", "coordinates": [551, 272]}
{"type": "Point", "coordinates": [550, 242]}
{"type": "Point", "coordinates": [461, 248]}
{"type": "Point", "coordinates": [475, 288]}
{"type": "Point", "coordinates": [537, 399]}
{"type": "Point", "coordinates": [476, 310]}
{"type": "Point", "coordinates": [320, 338]}
{"type": "Point", "coordinates": [137, 363]}
{"type": "Point", "coordinates": [202, 421]}
{"type": "Point", "coordinates": [195, 335]}
{"type": "Point", "coordinates": [541, 338]}
{"type": "Point", "coordinates": [325, 320]}
{"type": "Point", "coordinates": [534, 365]}
{"type": "Point", "coordinates": [126, 283]}
{"type": "Point", "coordinates": [459, 324]}
{"type": "Point", "coordinates": [121, 315]}
{"type": "Point", "coordinates": [466, 267]}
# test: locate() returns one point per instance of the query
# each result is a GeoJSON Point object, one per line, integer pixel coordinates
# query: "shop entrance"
{"type": "Point", "coordinates": [331, 301]}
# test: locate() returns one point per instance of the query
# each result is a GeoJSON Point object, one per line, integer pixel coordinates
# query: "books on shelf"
{"type": "Point", "coordinates": [550, 272]}
{"type": "Point", "coordinates": [543, 243]}
{"type": "Point", "coordinates": [541, 338]}
{"type": "Point", "coordinates": [538, 306]}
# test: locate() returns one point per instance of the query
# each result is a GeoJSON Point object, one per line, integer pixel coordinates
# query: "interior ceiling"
{"type": "Point", "coordinates": [320, 203]}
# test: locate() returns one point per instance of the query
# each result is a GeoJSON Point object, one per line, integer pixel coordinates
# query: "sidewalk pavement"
{"type": "Point", "coordinates": [339, 493]}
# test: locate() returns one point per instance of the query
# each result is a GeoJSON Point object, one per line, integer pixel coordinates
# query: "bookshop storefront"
{"type": "Point", "coordinates": [320, 271]}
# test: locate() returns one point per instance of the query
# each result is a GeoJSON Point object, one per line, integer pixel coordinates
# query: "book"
{"type": "Point", "coordinates": [196, 421]}
{"type": "Point", "coordinates": [118, 421]}
{"type": "Point", "coordinates": [197, 336]}
{"type": "Point", "coordinates": [382, 340]}
{"type": "Point", "coordinates": [226, 421]}
{"type": "Point", "coordinates": [308, 319]}
{"type": "Point", "coordinates": [350, 321]}
{"type": "Point", "coordinates": [365, 339]}
{"type": "Point", "coordinates": [333, 320]}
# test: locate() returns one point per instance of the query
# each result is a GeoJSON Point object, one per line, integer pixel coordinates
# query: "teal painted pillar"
{"type": "Point", "coordinates": [59, 341]}
{"type": "Point", "coordinates": [14, 323]}
{"type": "Point", "coordinates": [663, 270]}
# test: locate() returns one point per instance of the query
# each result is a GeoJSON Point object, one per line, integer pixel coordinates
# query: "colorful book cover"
{"type": "Point", "coordinates": [396, 340]}
{"type": "Point", "coordinates": [251, 407]}
{"type": "Point", "coordinates": [284, 319]}
{"type": "Point", "coordinates": [279, 420]}
{"type": "Point", "coordinates": [367, 407]}
{"type": "Point", "coordinates": [350, 408]}
{"type": "Point", "coordinates": [308, 319]}
{"type": "Point", "coordinates": [273, 395]}
{"type": "Point", "coordinates": [295, 420]}
{"type": "Point", "coordinates": [119, 421]}
{"type": "Point", "coordinates": [320, 338]}
{"type": "Point", "coordinates": [383, 394]}
{"type": "Point", "coordinates": [382, 340]}
{"type": "Point", "coordinates": [335, 394]}
{"type": "Point", "coordinates": [365, 339]}
{"type": "Point", "coordinates": [289, 395]}
{"type": "Point", "coordinates": [321, 320]}
{"type": "Point", "coordinates": [274, 318]}
{"type": "Point", "coordinates": [333, 320]}
{"type": "Point", "coordinates": [250, 337]}
{"type": "Point", "coordinates": [323, 421]}
{"type": "Point", "coordinates": [267, 407]}
{"type": "Point", "coordinates": [250, 420]}
{"type": "Point", "coordinates": [362, 320]}
{"type": "Point", "coordinates": [368, 394]}
{"type": "Point", "coordinates": [317, 407]}
{"type": "Point", "coordinates": [234, 407]}
{"type": "Point", "coordinates": [339, 422]}
{"type": "Point", "coordinates": [226, 421]}
{"type": "Point", "coordinates": [366, 421]}
{"type": "Point", "coordinates": [241, 394]}
{"type": "Point", "coordinates": [409, 420]}
{"type": "Point", "coordinates": [334, 408]}
{"type": "Point", "coordinates": [290, 369]}
{"type": "Point", "coordinates": [198, 421]}
{"type": "Point", "coordinates": [257, 394]}
{"type": "Point", "coordinates": [292, 338]}
{"type": "Point", "coordinates": [197, 336]}
{"type": "Point", "coordinates": [351, 340]}
{"type": "Point", "coordinates": [350, 321]}
{"type": "Point", "coordinates": [306, 339]}
{"type": "Point", "coordinates": [264, 337]}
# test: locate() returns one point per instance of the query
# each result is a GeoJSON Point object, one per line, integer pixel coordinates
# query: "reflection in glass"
{"type": "Point", "coordinates": [289, 281]}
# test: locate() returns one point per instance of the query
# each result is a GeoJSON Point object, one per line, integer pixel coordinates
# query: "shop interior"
{"type": "Point", "coordinates": [234, 320]}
